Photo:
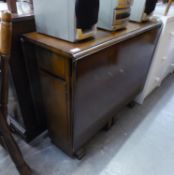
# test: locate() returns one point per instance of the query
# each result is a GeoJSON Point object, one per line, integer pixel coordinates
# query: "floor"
{"type": "Point", "coordinates": [141, 142]}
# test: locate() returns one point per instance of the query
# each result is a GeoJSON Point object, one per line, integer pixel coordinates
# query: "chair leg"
{"type": "Point", "coordinates": [168, 7]}
{"type": "Point", "coordinates": [13, 149]}
{"type": "Point", "coordinates": [1, 141]}
{"type": "Point", "coordinates": [4, 86]}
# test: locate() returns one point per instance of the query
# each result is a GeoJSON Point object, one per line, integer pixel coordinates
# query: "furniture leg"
{"type": "Point", "coordinates": [4, 86]}
{"type": "Point", "coordinates": [80, 154]}
{"type": "Point", "coordinates": [168, 7]}
{"type": "Point", "coordinates": [13, 148]}
{"type": "Point", "coordinates": [109, 124]}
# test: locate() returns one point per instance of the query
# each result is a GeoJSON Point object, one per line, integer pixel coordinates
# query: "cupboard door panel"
{"type": "Point", "coordinates": [55, 96]}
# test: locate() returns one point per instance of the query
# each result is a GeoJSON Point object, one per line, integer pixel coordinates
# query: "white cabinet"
{"type": "Point", "coordinates": [169, 67]}
{"type": "Point", "coordinates": [163, 60]}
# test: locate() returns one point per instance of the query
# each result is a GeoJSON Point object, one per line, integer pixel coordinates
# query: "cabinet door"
{"type": "Point", "coordinates": [55, 95]}
{"type": "Point", "coordinates": [170, 66]}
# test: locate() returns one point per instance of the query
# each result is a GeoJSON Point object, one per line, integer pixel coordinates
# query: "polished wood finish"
{"type": "Point", "coordinates": [85, 84]}
{"type": "Point", "coordinates": [73, 50]}
{"type": "Point", "coordinates": [6, 137]}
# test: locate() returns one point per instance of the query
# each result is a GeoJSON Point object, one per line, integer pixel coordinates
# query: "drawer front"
{"type": "Point", "coordinates": [153, 82]}
{"type": "Point", "coordinates": [170, 63]}
{"type": "Point", "coordinates": [51, 62]}
{"type": "Point", "coordinates": [55, 95]}
{"type": "Point", "coordinates": [159, 67]}
{"type": "Point", "coordinates": [169, 49]}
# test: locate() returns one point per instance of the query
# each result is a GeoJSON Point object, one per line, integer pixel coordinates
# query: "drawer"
{"type": "Point", "coordinates": [51, 62]}
{"type": "Point", "coordinates": [168, 49]}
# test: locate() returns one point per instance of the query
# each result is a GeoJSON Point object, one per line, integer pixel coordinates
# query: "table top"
{"type": "Point", "coordinates": [103, 39]}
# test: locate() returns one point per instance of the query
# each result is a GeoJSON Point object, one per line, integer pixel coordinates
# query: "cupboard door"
{"type": "Point", "coordinates": [55, 95]}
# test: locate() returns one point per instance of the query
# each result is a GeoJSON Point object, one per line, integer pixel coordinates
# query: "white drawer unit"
{"type": "Point", "coordinates": [169, 67]}
{"type": "Point", "coordinates": [163, 61]}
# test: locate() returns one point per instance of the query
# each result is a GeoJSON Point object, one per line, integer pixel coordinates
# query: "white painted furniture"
{"type": "Point", "coordinates": [163, 61]}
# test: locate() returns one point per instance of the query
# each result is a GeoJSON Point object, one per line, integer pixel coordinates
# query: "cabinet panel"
{"type": "Point", "coordinates": [107, 80]}
{"type": "Point", "coordinates": [55, 95]}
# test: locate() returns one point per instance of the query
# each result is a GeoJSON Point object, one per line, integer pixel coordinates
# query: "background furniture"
{"type": "Point", "coordinates": [6, 137]}
{"type": "Point", "coordinates": [30, 122]}
{"type": "Point", "coordinates": [85, 84]}
{"type": "Point", "coordinates": [163, 61]}
{"type": "Point", "coordinates": [27, 119]}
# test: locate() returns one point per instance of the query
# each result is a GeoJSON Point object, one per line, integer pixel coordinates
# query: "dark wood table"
{"type": "Point", "coordinates": [85, 84]}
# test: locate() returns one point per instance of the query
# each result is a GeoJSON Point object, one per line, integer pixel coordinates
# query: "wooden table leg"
{"type": "Point", "coordinates": [168, 7]}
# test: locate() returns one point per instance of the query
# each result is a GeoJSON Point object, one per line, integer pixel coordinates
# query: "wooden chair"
{"type": "Point", "coordinates": [6, 138]}
{"type": "Point", "coordinates": [168, 7]}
